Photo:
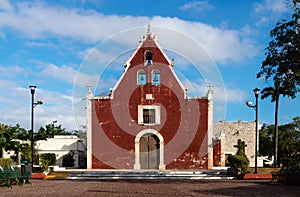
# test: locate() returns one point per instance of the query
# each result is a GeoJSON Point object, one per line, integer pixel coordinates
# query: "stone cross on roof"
{"type": "Point", "coordinates": [89, 88]}
{"type": "Point", "coordinates": [210, 91]}
{"type": "Point", "coordinates": [210, 87]}
{"type": "Point", "coordinates": [149, 28]}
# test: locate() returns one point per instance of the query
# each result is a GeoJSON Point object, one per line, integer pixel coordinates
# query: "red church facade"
{"type": "Point", "coordinates": [148, 121]}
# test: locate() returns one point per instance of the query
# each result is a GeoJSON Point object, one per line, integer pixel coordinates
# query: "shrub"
{"type": "Point", "coordinates": [68, 160]}
{"type": "Point", "coordinates": [46, 160]}
{"type": "Point", "coordinates": [5, 162]}
{"type": "Point", "coordinates": [239, 162]}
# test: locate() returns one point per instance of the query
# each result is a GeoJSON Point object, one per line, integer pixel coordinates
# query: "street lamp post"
{"type": "Point", "coordinates": [33, 104]}
{"type": "Point", "coordinates": [255, 107]}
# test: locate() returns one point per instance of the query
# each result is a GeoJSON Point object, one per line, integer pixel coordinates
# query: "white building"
{"type": "Point", "coordinates": [61, 145]}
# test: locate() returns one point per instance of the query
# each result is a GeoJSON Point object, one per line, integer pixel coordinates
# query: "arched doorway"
{"type": "Point", "coordinates": [149, 151]}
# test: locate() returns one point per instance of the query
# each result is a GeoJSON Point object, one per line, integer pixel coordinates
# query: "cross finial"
{"type": "Point", "coordinates": [89, 88]}
{"type": "Point", "coordinates": [210, 91]}
{"type": "Point", "coordinates": [149, 28]}
{"type": "Point", "coordinates": [210, 87]}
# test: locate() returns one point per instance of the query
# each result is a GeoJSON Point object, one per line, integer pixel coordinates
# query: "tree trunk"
{"type": "Point", "coordinates": [276, 133]}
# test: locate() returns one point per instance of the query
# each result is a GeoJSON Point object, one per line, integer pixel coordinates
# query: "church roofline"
{"type": "Point", "coordinates": [143, 39]}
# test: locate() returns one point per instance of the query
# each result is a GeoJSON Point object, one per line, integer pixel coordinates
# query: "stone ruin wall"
{"type": "Point", "coordinates": [230, 132]}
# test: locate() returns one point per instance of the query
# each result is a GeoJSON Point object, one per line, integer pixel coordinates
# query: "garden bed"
{"type": "Point", "coordinates": [254, 176]}
{"type": "Point", "coordinates": [38, 175]}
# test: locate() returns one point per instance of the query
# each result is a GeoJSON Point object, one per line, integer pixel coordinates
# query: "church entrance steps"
{"type": "Point", "coordinates": [146, 174]}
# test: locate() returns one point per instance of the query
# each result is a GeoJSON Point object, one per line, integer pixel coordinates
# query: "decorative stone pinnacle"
{"type": "Point", "coordinates": [210, 87]}
{"type": "Point", "coordinates": [149, 28]}
{"type": "Point", "coordinates": [89, 88]}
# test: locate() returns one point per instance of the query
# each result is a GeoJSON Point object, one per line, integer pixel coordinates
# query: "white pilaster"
{"type": "Point", "coordinates": [210, 129]}
{"type": "Point", "coordinates": [89, 96]}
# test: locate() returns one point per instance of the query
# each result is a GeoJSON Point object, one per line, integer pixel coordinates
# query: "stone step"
{"type": "Point", "coordinates": [114, 174]}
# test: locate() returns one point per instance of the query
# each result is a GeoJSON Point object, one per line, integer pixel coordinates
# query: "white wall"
{"type": "Point", "coordinates": [61, 145]}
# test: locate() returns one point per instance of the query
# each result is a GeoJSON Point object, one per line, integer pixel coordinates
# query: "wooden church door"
{"type": "Point", "coordinates": [149, 151]}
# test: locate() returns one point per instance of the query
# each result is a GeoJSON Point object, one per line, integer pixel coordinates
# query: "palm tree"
{"type": "Point", "coordinates": [282, 63]}
{"type": "Point", "coordinates": [274, 93]}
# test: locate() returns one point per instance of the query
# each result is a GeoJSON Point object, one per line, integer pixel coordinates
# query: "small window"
{"type": "Point", "coordinates": [149, 116]}
{"type": "Point", "coordinates": [148, 58]}
{"type": "Point", "coordinates": [155, 77]}
{"type": "Point", "coordinates": [141, 77]}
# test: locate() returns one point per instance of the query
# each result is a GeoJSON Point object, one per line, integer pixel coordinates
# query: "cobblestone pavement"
{"type": "Point", "coordinates": [151, 188]}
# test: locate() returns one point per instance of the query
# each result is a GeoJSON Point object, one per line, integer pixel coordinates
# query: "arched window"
{"type": "Point", "coordinates": [148, 58]}
{"type": "Point", "coordinates": [155, 77]}
{"type": "Point", "coordinates": [141, 77]}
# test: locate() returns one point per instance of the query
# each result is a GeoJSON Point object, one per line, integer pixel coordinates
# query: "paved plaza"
{"type": "Point", "coordinates": [151, 188]}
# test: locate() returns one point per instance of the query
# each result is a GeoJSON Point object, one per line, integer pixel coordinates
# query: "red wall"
{"type": "Point", "coordinates": [217, 153]}
{"type": "Point", "coordinates": [183, 121]}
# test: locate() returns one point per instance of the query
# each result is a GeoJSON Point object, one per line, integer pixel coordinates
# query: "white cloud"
{"type": "Point", "coordinates": [64, 73]}
{"type": "Point", "coordinates": [233, 95]}
{"type": "Point", "coordinates": [15, 100]}
{"type": "Point", "coordinates": [11, 71]}
{"type": "Point", "coordinates": [40, 44]}
{"type": "Point", "coordinates": [39, 20]}
{"type": "Point", "coordinates": [5, 5]}
{"type": "Point", "coordinates": [273, 6]}
{"type": "Point", "coordinates": [5, 84]}
{"type": "Point", "coordinates": [270, 10]}
{"type": "Point", "coordinates": [69, 75]}
{"type": "Point", "coordinates": [196, 6]}
{"type": "Point", "coordinates": [96, 56]}
{"type": "Point", "coordinates": [224, 45]}
{"type": "Point", "coordinates": [56, 106]}
{"type": "Point", "coordinates": [222, 93]}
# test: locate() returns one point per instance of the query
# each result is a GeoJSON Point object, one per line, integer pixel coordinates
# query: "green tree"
{"type": "Point", "coordinates": [13, 144]}
{"type": "Point", "coordinates": [282, 64]}
{"type": "Point", "coordinates": [274, 93]}
{"type": "Point", "coordinates": [25, 149]}
{"type": "Point", "coordinates": [295, 2]}
{"type": "Point", "coordinates": [266, 139]}
{"type": "Point", "coordinates": [47, 159]}
{"type": "Point", "coordinates": [81, 133]}
{"type": "Point", "coordinates": [12, 139]}
{"type": "Point", "coordinates": [49, 131]}
{"type": "Point", "coordinates": [3, 140]}
{"type": "Point", "coordinates": [289, 144]}
{"type": "Point", "coordinates": [9, 138]}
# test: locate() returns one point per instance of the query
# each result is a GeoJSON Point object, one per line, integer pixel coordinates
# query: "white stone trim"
{"type": "Point", "coordinates": [140, 114]}
{"type": "Point", "coordinates": [210, 128]}
{"type": "Point", "coordinates": [149, 97]}
{"type": "Point", "coordinates": [89, 97]}
{"type": "Point", "coordinates": [137, 164]}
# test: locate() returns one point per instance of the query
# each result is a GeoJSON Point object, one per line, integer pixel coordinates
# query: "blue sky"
{"type": "Point", "coordinates": [62, 46]}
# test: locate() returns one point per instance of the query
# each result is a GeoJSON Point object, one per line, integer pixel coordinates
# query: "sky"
{"type": "Point", "coordinates": [63, 46]}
